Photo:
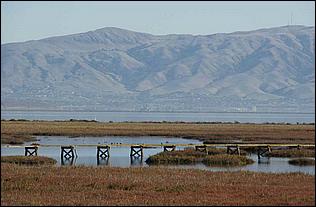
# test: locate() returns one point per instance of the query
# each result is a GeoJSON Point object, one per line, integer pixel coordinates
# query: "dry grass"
{"type": "Point", "coordinates": [209, 133]}
{"type": "Point", "coordinates": [51, 185]}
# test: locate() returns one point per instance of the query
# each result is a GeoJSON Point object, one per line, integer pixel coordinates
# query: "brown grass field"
{"type": "Point", "coordinates": [52, 185]}
{"type": "Point", "coordinates": [209, 133]}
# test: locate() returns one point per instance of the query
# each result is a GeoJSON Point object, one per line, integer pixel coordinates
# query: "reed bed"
{"type": "Point", "coordinates": [206, 132]}
{"type": "Point", "coordinates": [52, 185]}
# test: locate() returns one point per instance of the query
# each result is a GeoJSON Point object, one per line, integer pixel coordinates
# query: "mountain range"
{"type": "Point", "coordinates": [270, 69]}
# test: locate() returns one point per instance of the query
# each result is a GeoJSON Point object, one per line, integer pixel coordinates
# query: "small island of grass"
{"type": "Point", "coordinates": [292, 153]}
{"type": "Point", "coordinates": [216, 157]}
{"type": "Point", "coordinates": [28, 160]}
{"type": "Point", "coordinates": [302, 162]}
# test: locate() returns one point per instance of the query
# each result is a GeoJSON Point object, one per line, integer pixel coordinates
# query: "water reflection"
{"type": "Point", "coordinates": [68, 161]}
{"type": "Point", "coordinates": [103, 161]}
{"type": "Point", "coordinates": [136, 160]}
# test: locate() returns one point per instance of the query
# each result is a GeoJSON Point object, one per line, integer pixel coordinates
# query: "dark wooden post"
{"type": "Point", "coordinates": [31, 151]}
{"type": "Point", "coordinates": [136, 151]}
{"type": "Point", "coordinates": [103, 151]}
{"type": "Point", "coordinates": [67, 154]}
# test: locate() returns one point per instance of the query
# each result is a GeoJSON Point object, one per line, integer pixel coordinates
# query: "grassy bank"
{"type": "Point", "coordinates": [51, 185]}
{"type": "Point", "coordinates": [206, 132]}
{"type": "Point", "coordinates": [28, 160]}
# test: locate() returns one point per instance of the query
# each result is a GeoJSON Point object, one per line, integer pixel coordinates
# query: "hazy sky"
{"type": "Point", "coordinates": [22, 21]}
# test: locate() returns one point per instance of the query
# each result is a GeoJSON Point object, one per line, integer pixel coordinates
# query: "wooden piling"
{"type": "Point", "coordinates": [103, 151]}
{"type": "Point", "coordinates": [136, 151]}
{"type": "Point", "coordinates": [31, 151]}
{"type": "Point", "coordinates": [67, 154]}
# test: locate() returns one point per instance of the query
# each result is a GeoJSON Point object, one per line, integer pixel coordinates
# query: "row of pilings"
{"type": "Point", "coordinates": [103, 151]}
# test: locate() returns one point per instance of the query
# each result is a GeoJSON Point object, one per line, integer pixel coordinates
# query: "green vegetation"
{"type": "Point", "coordinates": [302, 161]}
{"type": "Point", "coordinates": [28, 160]}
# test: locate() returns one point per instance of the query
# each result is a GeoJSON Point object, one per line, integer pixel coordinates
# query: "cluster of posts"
{"type": "Point", "coordinates": [69, 153]}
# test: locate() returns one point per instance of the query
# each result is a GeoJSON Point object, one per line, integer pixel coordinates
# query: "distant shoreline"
{"type": "Point", "coordinates": [200, 112]}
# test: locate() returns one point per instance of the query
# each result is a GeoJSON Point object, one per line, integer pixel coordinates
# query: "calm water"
{"type": "Point", "coordinates": [158, 116]}
{"type": "Point", "coordinates": [119, 156]}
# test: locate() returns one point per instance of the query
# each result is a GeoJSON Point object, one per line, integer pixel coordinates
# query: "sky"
{"type": "Point", "coordinates": [23, 21]}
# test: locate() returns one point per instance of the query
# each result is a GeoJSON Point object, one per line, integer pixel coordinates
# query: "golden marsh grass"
{"type": "Point", "coordinates": [209, 133]}
{"type": "Point", "coordinates": [52, 185]}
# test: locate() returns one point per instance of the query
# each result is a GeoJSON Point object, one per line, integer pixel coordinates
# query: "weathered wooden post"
{"type": "Point", "coordinates": [169, 148]}
{"type": "Point", "coordinates": [67, 154]}
{"type": "Point", "coordinates": [201, 148]}
{"type": "Point", "coordinates": [103, 151]}
{"type": "Point", "coordinates": [31, 151]}
{"type": "Point", "coordinates": [136, 154]}
{"type": "Point", "coordinates": [136, 151]}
